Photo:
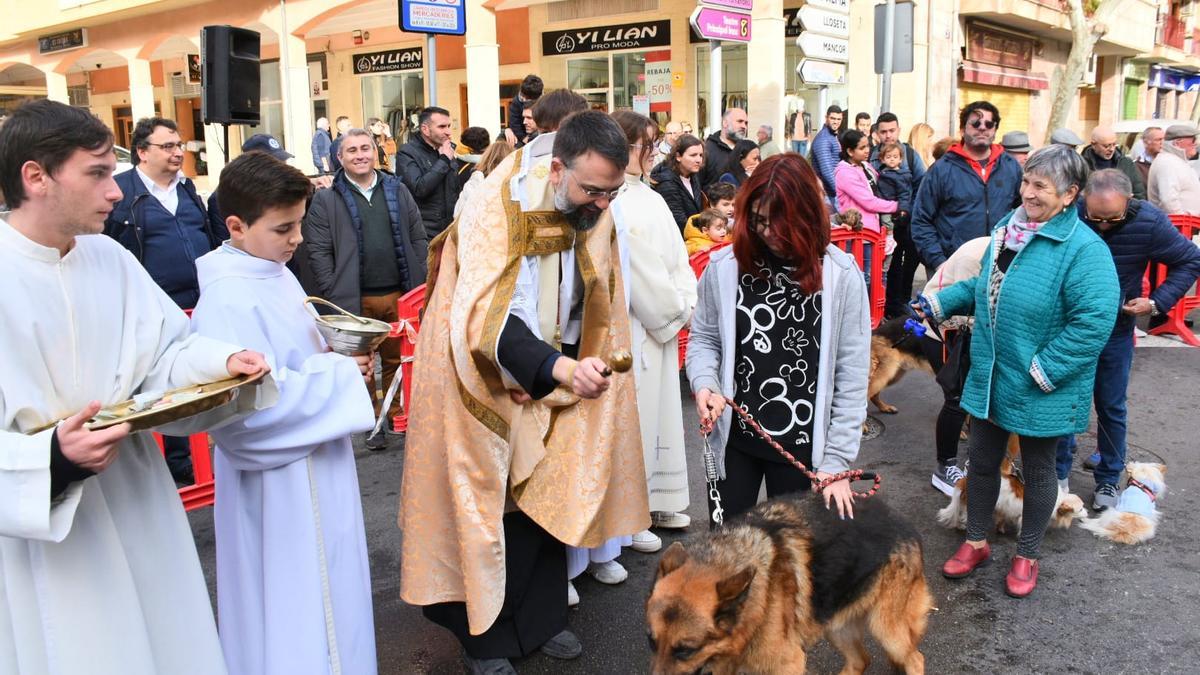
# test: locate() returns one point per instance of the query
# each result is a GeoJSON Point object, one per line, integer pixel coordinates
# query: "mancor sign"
{"type": "Point", "coordinates": [391, 61]}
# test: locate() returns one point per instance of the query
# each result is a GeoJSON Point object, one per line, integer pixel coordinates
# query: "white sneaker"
{"type": "Point", "coordinates": [610, 573]}
{"type": "Point", "coordinates": [572, 595]}
{"type": "Point", "coordinates": [646, 542]}
{"type": "Point", "coordinates": [670, 520]}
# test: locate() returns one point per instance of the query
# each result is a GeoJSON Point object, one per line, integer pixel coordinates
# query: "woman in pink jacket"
{"type": "Point", "coordinates": [855, 179]}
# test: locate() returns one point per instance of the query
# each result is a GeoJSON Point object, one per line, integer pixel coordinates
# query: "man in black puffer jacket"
{"type": "Point", "coordinates": [1137, 233]}
{"type": "Point", "coordinates": [429, 169]}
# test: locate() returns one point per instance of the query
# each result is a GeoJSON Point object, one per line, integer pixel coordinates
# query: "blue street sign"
{"type": "Point", "coordinates": [445, 17]}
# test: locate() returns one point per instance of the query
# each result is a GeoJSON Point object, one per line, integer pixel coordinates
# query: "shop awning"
{"type": "Point", "coordinates": [999, 76]}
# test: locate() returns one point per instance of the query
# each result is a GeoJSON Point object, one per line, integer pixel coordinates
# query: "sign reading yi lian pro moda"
{"type": "Point", "coordinates": [607, 38]}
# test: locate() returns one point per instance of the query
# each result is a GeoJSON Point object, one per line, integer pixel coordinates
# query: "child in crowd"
{"type": "Point", "coordinates": [895, 182]}
{"type": "Point", "coordinates": [720, 198]}
{"type": "Point", "coordinates": [712, 228]}
{"type": "Point", "coordinates": [293, 581]}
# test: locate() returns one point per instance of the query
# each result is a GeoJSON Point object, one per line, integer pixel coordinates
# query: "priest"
{"type": "Point", "coordinates": [98, 570]}
{"type": "Point", "coordinates": [521, 438]}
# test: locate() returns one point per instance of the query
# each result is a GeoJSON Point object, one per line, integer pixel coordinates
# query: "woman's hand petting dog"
{"type": "Point", "coordinates": [709, 405]}
{"type": "Point", "coordinates": [839, 493]}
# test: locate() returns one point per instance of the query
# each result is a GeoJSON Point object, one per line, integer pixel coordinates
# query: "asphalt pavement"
{"type": "Point", "coordinates": [1099, 607]}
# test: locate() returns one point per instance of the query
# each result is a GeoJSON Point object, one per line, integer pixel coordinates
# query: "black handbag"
{"type": "Point", "coordinates": [953, 375]}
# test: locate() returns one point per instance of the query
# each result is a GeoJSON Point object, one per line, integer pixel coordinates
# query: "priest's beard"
{"type": "Point", "coordinates": [582, 217]}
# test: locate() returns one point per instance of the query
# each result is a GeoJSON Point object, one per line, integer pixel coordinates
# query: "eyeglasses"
{"type": "Point", "coordinates": [168, 147]}
{"type": "Point", "coordinates": [597, 194]}
{"type": "Point", "coordinates": [986, 124]}
{"type": "Point", "coordinates": [1114, 220]}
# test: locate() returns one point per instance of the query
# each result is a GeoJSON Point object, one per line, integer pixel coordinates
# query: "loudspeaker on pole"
{"type": "Point", "coordinates": [229, 75]}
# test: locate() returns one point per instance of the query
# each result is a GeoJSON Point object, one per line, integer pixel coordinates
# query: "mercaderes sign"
{"type": "Point", "coordinates": [391, 61]}
{"type": "Point", "coordinates": [607, 38]}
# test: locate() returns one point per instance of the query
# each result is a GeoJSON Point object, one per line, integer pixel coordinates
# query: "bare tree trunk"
{"type": "Point", "coordinates": [1085, 32]}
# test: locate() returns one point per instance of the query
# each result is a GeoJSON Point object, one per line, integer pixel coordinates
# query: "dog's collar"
{"type": "Point", "coordinates": [1142, 486]}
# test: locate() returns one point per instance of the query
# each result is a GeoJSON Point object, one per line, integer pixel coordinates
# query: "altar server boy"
{"type": "Point", "coordinates": [293, 584]}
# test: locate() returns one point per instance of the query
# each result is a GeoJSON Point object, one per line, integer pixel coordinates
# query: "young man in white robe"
{"type": "Point", "coordinates": [98, 570]}
{"type": "Point", "coordinates": [293, 583]}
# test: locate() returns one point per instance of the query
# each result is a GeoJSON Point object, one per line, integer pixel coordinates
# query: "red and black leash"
{"type": "Point", "coordinates": [706, 427]}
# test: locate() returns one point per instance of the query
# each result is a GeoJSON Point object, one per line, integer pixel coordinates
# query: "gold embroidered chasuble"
{"type": "Point", "coordinates": [574, 466]}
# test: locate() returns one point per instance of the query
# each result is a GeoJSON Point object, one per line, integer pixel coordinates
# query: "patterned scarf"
{"type": "Point", "coordinates": [1019, 231]}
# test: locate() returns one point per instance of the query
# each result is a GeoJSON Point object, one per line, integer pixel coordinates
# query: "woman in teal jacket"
{"type": "Point", "coordinates": [1044, 303]}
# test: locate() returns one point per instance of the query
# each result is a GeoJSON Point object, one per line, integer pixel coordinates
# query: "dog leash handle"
{"type": "Point", "coordinates": [710, 475]}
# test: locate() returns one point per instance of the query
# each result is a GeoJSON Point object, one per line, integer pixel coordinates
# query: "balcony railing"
{"type": "Point", "coordinates": [1173, 31]}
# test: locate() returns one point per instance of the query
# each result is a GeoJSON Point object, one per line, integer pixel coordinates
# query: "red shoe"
{"type": "Point", "coordinates": [1022, 577]}
{"type": "Point", "coordinates": [965, 560]}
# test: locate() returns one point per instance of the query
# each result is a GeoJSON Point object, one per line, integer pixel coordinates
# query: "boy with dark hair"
{"type": "Point", "coordinates": [293, 582]}
{"type": "Point", "coordinates": [531, 90]}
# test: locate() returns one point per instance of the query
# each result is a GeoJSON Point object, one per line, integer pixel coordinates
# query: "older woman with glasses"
{"type": "Point", "coordinates": [782, 326]}
{"type": "Point", "coordinates": [1045, 302]}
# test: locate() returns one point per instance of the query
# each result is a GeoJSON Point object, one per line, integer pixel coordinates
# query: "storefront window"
{"type": "Point", "coordinates": [270, 101]}
{"type": "Point", "coordinates": [733, 81]}
{"type": "Point", "coordinates": [396, 99]}
{"type": "Point", "coordinates": [629, 78]}
{"type": "Point", "coordinates": [592, 76]}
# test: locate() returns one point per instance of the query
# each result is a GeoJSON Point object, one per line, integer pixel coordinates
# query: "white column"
{"type": "Point", "coordinates": [298, 127]}
{"type": "Point", "coordinates": [765, 68]}
{"type": "Point", "coordinates": [483, 70]}
{"type": "Point", "coordinates": [141, 89]}
{"type": "Point", "coordinates": [56, 87]}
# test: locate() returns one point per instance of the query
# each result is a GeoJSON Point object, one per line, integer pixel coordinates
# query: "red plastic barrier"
{"type": "Point", "coordinates": [203, 491]}
{"type": "Point", "coordinates": [1189, 227]}
{"type": "Point", "coordinates": [853, 243]}
{"type": "Point", "coordinates": [698, 261]}
{"type": "Point", "coordinates": [408, 311]}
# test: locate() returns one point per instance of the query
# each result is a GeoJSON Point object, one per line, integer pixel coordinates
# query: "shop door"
{"type": "Point", "coordinates": [123, 126]}
{"type": "Point", "coordinates": [1013, 105]}
{"type": "Point", "coordinates": [1131, 100]}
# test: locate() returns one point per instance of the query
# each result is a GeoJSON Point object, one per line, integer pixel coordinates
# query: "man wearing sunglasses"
{"type": "Point", "coordinates": [1137, 233]}
{"type": "Point", "coordinates": [967, 191]}
{"type": "Point", "coordinates": [163, 222]}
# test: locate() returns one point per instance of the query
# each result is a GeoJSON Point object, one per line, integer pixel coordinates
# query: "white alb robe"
{"type": "Point", "coordinates": [293, 581]}
{"type": "Point", "coordinates": [662, 295]}
{"type": "Point", "coordinates": [103, 579]}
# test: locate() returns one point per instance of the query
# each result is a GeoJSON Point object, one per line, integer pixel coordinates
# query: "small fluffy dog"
{"type": "Point", "coordinates": [895, 350]}
{"type": "Point", "coordinates": [1011, 501]}
{"type": "Point", "coordinates": [1135, 518]}
{"type": "Point", "coordinates": [752, 597]}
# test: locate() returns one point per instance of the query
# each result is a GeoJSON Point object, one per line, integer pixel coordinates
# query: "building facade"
{"type": "Point", "coordinates": [126, 59]}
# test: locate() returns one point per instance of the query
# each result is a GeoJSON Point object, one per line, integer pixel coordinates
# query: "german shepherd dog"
{"type": "Point", "coordinates": [894, 352]}
{"type": "Point", "coordinates": [752, 597]}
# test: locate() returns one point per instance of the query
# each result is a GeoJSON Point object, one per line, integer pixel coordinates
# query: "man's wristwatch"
{"type": "Point", "coordinates": [1153, 307]}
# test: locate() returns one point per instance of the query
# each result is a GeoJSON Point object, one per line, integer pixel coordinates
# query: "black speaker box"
{"type": "Point", "coordinates": [229, 75]}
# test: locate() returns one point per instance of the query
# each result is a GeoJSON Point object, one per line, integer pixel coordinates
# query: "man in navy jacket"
{"type": "Point", "coordinates": [966, 192]}
{"type": "Point", "coordinates": [162, 221]}
{"type": "Point", "coordinates": [1137, 233]}
{"type": "Point", "coordinates": [827, 151]}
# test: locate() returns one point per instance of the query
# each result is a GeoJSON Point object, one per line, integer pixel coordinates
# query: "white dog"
{"type": "Point", "coordinates": [1135, 518]}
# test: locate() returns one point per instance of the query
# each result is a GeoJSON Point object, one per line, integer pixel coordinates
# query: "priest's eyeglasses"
{"type": "Point", "coordinates": [596, 194]}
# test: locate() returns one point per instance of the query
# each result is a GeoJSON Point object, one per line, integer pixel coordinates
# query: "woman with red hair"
{"type": "Point", "coordinates": [783, 328]}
